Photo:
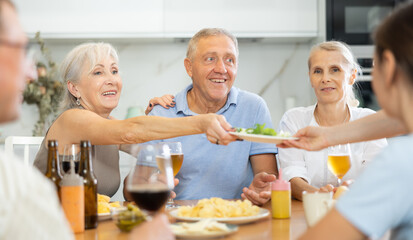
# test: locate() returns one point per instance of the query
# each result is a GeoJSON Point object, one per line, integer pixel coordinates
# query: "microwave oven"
{"type": "Point", "coordinates": [353, 21]}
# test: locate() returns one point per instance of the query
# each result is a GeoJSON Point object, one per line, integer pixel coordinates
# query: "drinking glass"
{"type": "Point", "coordinates": [177, 158]}
{"type": "Point", "coordinates": [71, 152]}
{"type": "Point", "coordinates": [339, 160]}
{"type": "Point", "coordinates": [151, 179]}
{"type": "Point", "coordinates": [316, 205]}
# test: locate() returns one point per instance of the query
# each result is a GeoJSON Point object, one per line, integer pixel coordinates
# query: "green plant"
{"type": "Point", "coordinates": [45, 91]}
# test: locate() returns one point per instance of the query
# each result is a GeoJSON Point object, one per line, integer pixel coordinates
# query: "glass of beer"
{"type": "Point", "coordinates": [177, 158]}
{"type": "Point", "coordinates": [339, 160]}
{"type": "Point", "coordinates": [71, 152]}
{"type": "Point", "coordinates": [151, 179]}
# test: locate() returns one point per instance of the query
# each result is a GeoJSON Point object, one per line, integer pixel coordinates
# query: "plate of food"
{"type": "Point", "coordinates": [262, 134]}
{"type": "Point", "coordinates": [220, 210]}
{"type": "Point", "coordinates": [104, 206]}
{"type": "Point", "coordinates": [203, 229]}
{"type": "Point", "coordinates": [104, 216]}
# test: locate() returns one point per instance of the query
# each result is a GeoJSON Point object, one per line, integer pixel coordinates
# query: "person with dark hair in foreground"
{"type": "Point", "coordinates": [380, 199]}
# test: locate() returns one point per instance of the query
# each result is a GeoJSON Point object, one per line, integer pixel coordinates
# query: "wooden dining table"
{"type": "Point", "coordinates": [267, 228]}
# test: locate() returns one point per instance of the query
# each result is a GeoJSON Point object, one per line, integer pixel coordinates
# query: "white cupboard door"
{"type": "Point", "coordinates": [242, 17]}
{"type": "Point", "coordinates": [90, 17]}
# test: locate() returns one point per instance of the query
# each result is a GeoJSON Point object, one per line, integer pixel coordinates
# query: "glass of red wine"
{"type": "Point", "coordinates": [71, 152]}
{"type": "Point", "coordinates": [151, 179]}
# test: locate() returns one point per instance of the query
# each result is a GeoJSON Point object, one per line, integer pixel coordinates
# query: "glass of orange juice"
{"type": "Point", "coordinates": [339, 160]}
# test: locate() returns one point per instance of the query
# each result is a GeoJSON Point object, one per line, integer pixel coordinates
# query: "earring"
{"type": "Point", "coordinates": [78, 101]}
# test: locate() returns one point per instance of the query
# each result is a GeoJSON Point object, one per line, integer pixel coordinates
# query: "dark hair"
{"type": "Point", "coordinates": [396, 35]}
{"type": "Point", "coordinates": [2, 2]}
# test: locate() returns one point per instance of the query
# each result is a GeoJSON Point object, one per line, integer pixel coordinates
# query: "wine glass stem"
{"type": "Point", "coordinates": [339, 182]}
{"type": "Point", "coordinates": [171, 203]}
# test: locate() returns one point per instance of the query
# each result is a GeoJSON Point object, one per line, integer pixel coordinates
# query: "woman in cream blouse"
{"type": "Point", "coordinates": [332, 72]}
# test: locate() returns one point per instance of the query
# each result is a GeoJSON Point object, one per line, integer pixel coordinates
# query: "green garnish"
{"type": "Point", "coordinates": [130, 218]}
{"type": "Point", "coordinates": [260, 129]}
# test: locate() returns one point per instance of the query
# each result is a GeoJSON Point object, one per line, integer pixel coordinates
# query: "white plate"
{"type": "Point", "coordinates": [232, 229]}
{"type": "Point", "coordinates": [262, 138]}
{"type": "Point", "coordinates": [103, 216]}
{"type": "Point", "coordinates": [234, 220]}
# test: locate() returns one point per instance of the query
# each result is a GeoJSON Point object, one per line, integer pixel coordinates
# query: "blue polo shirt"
{"type": "Point", "coordinates": [211, 170]}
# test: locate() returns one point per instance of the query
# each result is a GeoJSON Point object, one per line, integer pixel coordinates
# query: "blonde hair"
{"type": "Point", "coordinates": [208, 32]}
{"type": "Point", "coordinates": [71, 67]}
{"type": "Point", "coordinates": [345, 51]}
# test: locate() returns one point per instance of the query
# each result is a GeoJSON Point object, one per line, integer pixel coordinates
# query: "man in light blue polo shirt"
{"type": "Point", "coordinates": [241, 168]}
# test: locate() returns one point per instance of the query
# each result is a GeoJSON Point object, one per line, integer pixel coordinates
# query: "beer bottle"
{"type": "Point", "coordinates": [53, 168]}
{"type": "Point", "coordinates": [90, 184]}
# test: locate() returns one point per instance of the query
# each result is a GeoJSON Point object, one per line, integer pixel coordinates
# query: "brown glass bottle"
{"type": "Point", "coordinates": [53, 168]}
{"type": "Point", "coordinates": [90, 184]}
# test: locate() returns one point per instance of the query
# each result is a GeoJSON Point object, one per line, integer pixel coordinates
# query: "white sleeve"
{"type": "Point", "coordinates": [29, 208]}
{"type": "Point", "coordinates": [372, 148]}
{"type": "Point", "coordinates": [291, 159]}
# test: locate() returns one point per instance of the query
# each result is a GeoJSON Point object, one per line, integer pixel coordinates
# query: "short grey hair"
{"type": "Point", "coordinates": [71, 67]}
{"type": "Point", "coordinates": [208, 32]}
{"type": "Point", "coordinates": [345, 51]}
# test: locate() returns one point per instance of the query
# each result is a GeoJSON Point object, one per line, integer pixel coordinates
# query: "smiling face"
{"type": "Point", "coordinates": [213, 68]}
{"type": "Point", "coordinates": [99, 90]}
{"type": "Point", "coordinates": [330, 75]}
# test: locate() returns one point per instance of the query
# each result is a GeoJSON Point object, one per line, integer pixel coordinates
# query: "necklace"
{"type": "Point", "coordinates": [319, 122]}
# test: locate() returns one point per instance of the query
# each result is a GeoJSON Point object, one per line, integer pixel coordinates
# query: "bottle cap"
{"type": "Point", "coordinates": [85, 143]}
{"type": "Point", "coordinates": [52, 143]}
{"type": "Point", "coordinates": [71, 178]}
{"type": "Point", "coordinates": [280, 184]}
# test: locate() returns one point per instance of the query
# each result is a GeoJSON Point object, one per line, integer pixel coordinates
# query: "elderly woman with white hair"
{"type": "Point", "coordinates": [332, 72]}
{"type": "Point", "coordinates": [91, 74]}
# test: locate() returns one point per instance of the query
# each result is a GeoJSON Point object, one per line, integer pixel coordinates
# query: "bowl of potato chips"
{"type": "Point", "coordinates": [221, 210]}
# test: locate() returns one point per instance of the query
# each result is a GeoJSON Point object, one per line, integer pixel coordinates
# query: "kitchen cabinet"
{"type": "Point", "coordinates": [244, 18]}
{"type": "Point", "coordinates": [91, 18]}
{"type": "Point", "coordinates": [130, 19]}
